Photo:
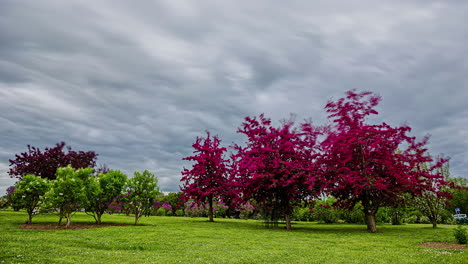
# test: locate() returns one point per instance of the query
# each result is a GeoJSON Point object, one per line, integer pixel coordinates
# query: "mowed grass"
{"type": "Point", "coordinates": [194, 240]}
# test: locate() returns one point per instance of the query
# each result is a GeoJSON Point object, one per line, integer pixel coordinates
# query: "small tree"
{"type": "Point", "coordinates": [175, 201]}
{"type": "Point", "coordinates": [28, 194]}
{"type": "Point", "coordinates": [68, 191]}
{"type": "Point", "coordinates": [45, 163]}
{"type": "Point", "coordinates": [432, 204]}
{"type": "Point", "coordinates": [142, 191]}
{"type": "Point", "coordinates": [208, 179]}
{"type": "Point", "coordinates": [277, 166]}
{"type": "Point", "coordinates": [102, 190]}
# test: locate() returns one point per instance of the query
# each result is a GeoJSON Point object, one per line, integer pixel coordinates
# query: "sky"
{"type": "Point", "coordinates": [138, 81]}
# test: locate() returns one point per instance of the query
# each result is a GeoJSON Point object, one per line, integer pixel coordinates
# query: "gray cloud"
{"type": "Point", "coordinates": [138, 82]}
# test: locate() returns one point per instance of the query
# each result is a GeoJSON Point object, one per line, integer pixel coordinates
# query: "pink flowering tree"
{"type": "Point", "coordinates": [373, 164]}
{"type": "Point", "coordinates": [277, 166]}
{"type": "Point", "coordinates": [208, 179]}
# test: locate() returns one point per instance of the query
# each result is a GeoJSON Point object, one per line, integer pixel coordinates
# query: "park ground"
{"type": "Point", "coordinates": [194, 240]}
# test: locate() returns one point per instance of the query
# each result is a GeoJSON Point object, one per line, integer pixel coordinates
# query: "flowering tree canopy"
{"type": "Point", "coordinates": [209, 177]}
{"type": "Point", "coordinates": [142, 191]}
{"type": "Point", "coordinates": [277, 166]}
{"type": "Point", "coordinates": [29, 193]}
{"type": "Point", "coordinates": [45, 163]}
{"type": "Point", "coordinates": [373, 164]}
{"type": "Point", "coordinates": [102, 190]}
{"type": "Point", "coordinates": [68, 192]}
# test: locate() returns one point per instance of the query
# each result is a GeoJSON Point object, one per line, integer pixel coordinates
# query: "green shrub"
{"type": "Point", "coordinates": [325, 213]}
{"type": "Point", "coordinates": [4, 203]}
{"type": "Point", "coordinates": [356, 216]}
{"type": "Point", "coordinates": [410, 219]}
{"type": "Point", "coordinates": [160, 212]}
{"type": "Point", "coordinates": [383, 215]}
{"type": "Point", "coordinates": [302, 214]}
{"type": "Point", "coordinates": [460, 234]}
{"type": "Point", "coordinates": [424, 220]}
{"type": "Point", "coordinates": [179, 212]}
{"type": "Point", "coordinates": [450, 221]}
{"type": "Point", "coordinates": [462, 221]}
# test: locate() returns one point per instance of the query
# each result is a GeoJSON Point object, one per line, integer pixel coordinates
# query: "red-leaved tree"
{"type": "Point", "coordinates": [209, 177]}
{"type": "Point", "coordinates": [45, 163]}
{"type": "Point", "coordinates": [373, 164]}
{"type": "Point", "coordinates": [276, 168]}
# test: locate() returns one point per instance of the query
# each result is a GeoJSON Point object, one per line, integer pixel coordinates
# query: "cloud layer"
{"type": "Point", "coordinates": [138, 82]}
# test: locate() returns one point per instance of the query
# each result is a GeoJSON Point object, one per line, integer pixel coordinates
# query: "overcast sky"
{"type": "Point", "coordinates": [137, 81]}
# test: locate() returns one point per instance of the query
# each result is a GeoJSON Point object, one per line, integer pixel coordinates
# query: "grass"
{"type": "Point", "coordinates": [193, 240]}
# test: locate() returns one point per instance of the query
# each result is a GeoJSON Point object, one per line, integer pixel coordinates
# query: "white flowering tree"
{"type": "Point", "coordinates": [141, 192]}
{"type": "Point", "coordinates": [102, 190]}
{"type": "Point", "coordinates": [68, 191]}
{"type": "Point", "coordinates": [29, 193]}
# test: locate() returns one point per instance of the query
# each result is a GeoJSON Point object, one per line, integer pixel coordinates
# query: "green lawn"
{"type": "Point", "coordinates": [193, 240]}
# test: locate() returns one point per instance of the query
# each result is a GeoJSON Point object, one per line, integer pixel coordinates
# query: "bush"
{"type": "Point", "coordinates": [462, 221]}
{"type": "Point", "coordinates": [410, 219]}
{"type": "Point", "coordinates": [355, 216]}
{"type": "Point", "coordinates": [302, 214]}
{"type": "Point", "coordinates": [325, 213]}
{"type": "Point", "coordinates": [460, 234]}
{"type": "Point", "coordinates": [424, 220]}
{"type": "Point", "coordinates": [4, 203]}
{"type": "Point", "coordinates": [383, 215]}
{"type": "Point", "coordinates": [246, 211]}
{"type": "Point", "coordinates": [179, 212]}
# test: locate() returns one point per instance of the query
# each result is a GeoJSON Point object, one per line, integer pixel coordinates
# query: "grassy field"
{"type": "Point", "coordinates": [193, 240]}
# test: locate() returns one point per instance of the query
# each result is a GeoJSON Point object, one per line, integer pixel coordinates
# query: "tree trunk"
{"type": "Point", "coordinates": [210, 208]}
{"type": "Point", "coordinates": [68, 221]}
{"type": "Point", "coordinates": [137, 218]}
{"type": "Point", "coordinates": [287, 218]}
{"type": "Point", "coordinates": [30, 215]}
{"type": "Point", "coordinates": [370, 221]}
{"type": "Point", "coordinates": [98, 218]}
{"type": "Point", "coordinates": [434, 223]}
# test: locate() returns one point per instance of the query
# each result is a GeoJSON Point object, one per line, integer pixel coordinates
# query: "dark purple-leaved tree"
{"type": "Point", "coordinates": [209, 177]}
{"type": "Point", "coordinates": [45, 163]}
{"type": "Point", "coordinates": [277, 166]}
{"type": "Point", "coordinates": [374, 164]}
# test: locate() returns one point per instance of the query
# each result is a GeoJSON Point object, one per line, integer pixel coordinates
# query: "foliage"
{"type": "Point", "coordinates": [141, 191]}
{"type": "Point", "coordinates": [193, 209]}
{"type": "Point", "coordinates": [353, 215]}
{"type": "Point", "coordinates": [4, 203]}
{"type": "Point", "coordinates": [9, 197]}
{"type": "Point", "coordinates": [175, 201]}
{"type": "Point", "coordinates": [45, 163]}
{"type": "Point", "coordinates": [102, 190]}
{"type": "Point", "coordinates": [460, 235]}
{"type": "Point", "coordinates": [209, 177]}
{"type": "Point", "coordinates": [29, 193]}
{"type": "Point", "coordinates": [303, 214]}
{"type": "Point", "coordinates": [431, 204]}
{"type": "Point", "coordinates": [277, 166]}
{"type": "Point", "coordinates": [323, 211]}
{"type": "Point", "coordinates": [365, 163]}
{"type": "Point", "coordinates": [161, 208]}
{"type": "Point", "coordinates": [460, 195]}
{"type": "Point", "coordinates": [68, 192]}
{"type": "Point", "coordinates": [246, 211]}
